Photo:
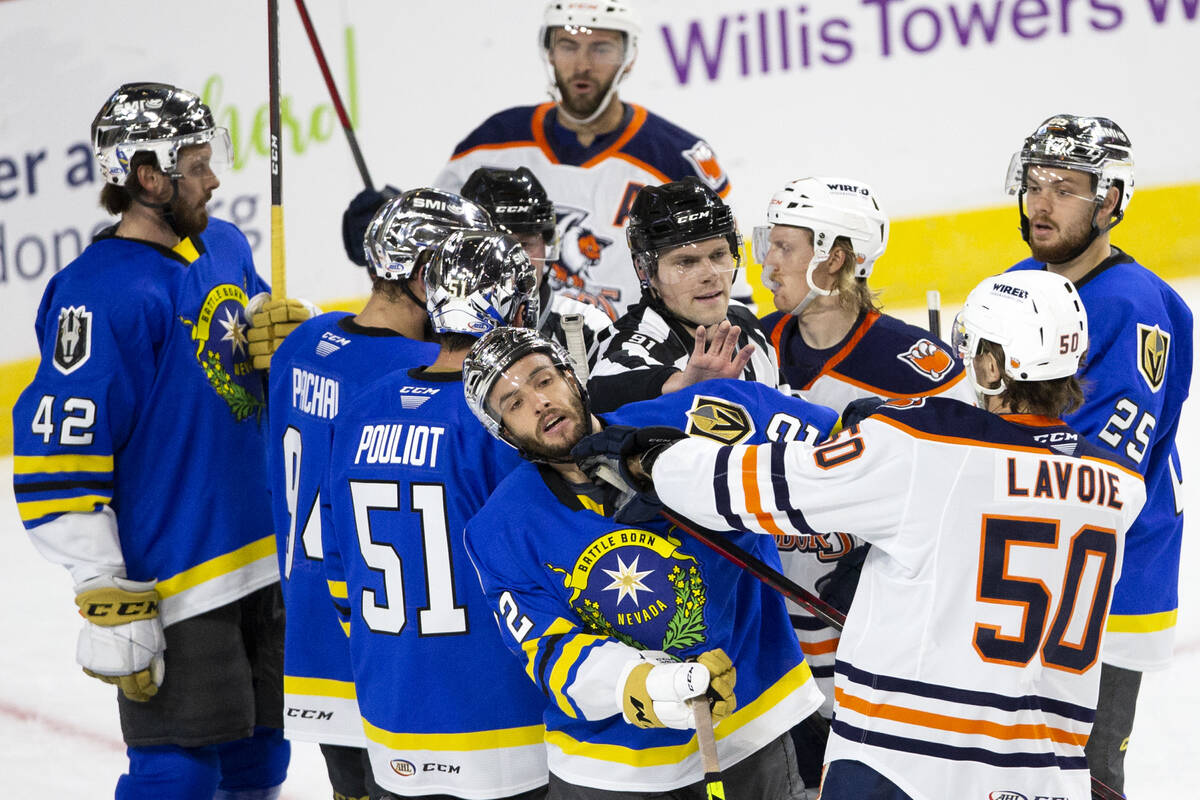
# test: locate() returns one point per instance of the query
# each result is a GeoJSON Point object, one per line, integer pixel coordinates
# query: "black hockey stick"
{"type": "Point", "coordinates": [761, 570]}
{"type": "Point", "coordinates": [343, 117]}
{"type": "Point", "coordinates": [278, 270]}
{"type": "Point", "coordinates": [933, 301]}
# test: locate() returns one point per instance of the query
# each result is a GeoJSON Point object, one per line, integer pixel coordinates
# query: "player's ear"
{"type": "Point", "coordinates": [987, 369]}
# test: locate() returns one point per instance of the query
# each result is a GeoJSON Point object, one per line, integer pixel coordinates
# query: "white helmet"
{"type": "Point", "coordinates": [613, 15]}
{"type": "Point", "coordinates": [830, 208]}
{"type": "Point", "coordinates": [1035, 316]}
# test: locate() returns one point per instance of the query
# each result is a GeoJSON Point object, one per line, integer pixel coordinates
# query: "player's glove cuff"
{"type": "Point", "coordinates": [122, 639]}
{"type": "Point", "coordinates": [653, 690]}
{"type": "Point", "coordinates": [270, 323]}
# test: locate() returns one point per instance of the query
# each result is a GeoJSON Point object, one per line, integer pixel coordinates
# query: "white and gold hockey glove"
{"type": "Point", "coordinates": [122, 638]}
{"type": "Point", "coordinates": [653, 692]}
{"type": "Point", "coordinates": [270, 323]}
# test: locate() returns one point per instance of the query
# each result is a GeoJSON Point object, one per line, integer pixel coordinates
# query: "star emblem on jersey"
{"type": "Point", "coordinates": [670, 615]}
{"type": "Point", "coordinates": [73, 342]}
{"type": "Point", "coordinates": [928, 359]}
{"type": "Point", "coordinates": [719, 420]}
{"type": "Point", "coordinates": [235, 330]}
{"type": "Point", "coordinates": [1154, 345]}
{"type": "Point", "coordinates": [627, 581]}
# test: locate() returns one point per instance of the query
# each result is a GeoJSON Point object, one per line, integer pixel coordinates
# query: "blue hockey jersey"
{"type": "Point", "coordinates": [579, 594]}
{"type": "Point", "coordinates": [445, 708]}
{"type": "Point", "coordinates": [592, 187]}
{"type": "Point", "coordinates": [139, 445]}
{"type": "Point", "coordinates": [318, 370]}
{"type": "Point", "coordinates": [1136, 376]}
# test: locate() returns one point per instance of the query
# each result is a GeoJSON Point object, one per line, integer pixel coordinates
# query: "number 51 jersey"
{"type": "Point", "coordinates": [445, 707]}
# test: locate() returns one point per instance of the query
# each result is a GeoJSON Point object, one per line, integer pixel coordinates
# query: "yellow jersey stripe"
{"type": "Point", "coordinates": [36, 509]}
{"type": "Point", "coordinates": [662, 756]}
{"type": "Point", "coordinates": [457, 742]}
{"type": "Point", "coordinates": [562, 670]}
{"type": "Point", "coordinates": [338, 589]}
{"type": "Point", "coordinates": [1142, 623]}
{"type": "Point", "coordinates": [216, 567]}
{"type": "Point", "coordinates": [187, 249]}
{"type": "Point", "coordinates": [63, 462]}
{"type": "Point", "coordinates": [319, 687]}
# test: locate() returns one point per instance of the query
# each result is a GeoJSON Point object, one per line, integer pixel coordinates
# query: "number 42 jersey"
{"type": "Point", "coordinates": [969, 664]}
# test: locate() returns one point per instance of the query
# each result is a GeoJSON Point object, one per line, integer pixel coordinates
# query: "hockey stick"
{"type": "Point", "coordinates": [278, 270]}
{"type": "Point", "coordinates": [707, 741]}
{"type": "Point", "coordinates": [572, 325]}
{"type": "Point", "coordinates": [933, 301]}
{"type": "Point", "coordinates": [759, 569]}
{"type": "Point", "coordinates": [343, 117]}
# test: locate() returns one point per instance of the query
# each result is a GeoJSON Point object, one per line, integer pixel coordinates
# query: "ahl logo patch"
{"type": "Point", "coordinates": [719, 420]}
{"type": "Point", "coordinates": [73, 342]}
{"type": "Point", "coordinates": [928, 359]}
{"type": "Point", "coordinates": [1154, 344]}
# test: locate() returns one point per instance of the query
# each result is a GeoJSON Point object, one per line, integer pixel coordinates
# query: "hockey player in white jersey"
{"type": "Point", "coordinates": [969, 664]}
{"type": "Point", "coordinates": [518, 204]}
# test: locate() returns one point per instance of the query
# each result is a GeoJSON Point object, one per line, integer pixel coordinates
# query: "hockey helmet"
{"type": "Point", "coordinates": [1095, 145]}
{"type": "Point", "coordinates": [495, 352]}
{"type": "Point", "coordinates": [155, 118]}
{"type": "Point", "coordinates": [516, 201]}
{"type": "Point", "coordinates": [1035, 316]}
{"type": "Point", "coordinates": [674, 214]}
{"type": "Point", "coordinates": [479, 280]}
{"type": "Point", "coordinates": [584, 16]}
{"type": "Point", "coordinates": [413, 222]}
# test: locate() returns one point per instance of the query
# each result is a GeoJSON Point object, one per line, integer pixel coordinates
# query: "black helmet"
{"type": "Point", "coordinates": [515, 199]}
{"type": "Point", "coordinates": [676, 213]}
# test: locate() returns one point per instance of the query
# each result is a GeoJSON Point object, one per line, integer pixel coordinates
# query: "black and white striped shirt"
{"type": "Point", "coordinates": [649, 347]}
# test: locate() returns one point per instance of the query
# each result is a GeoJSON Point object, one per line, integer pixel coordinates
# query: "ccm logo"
{"type": "Point", "coordinates": [512, 209]}
{"type": "Point", "coordinates": [692, 217]}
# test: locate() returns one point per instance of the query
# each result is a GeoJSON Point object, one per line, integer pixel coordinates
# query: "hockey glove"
{"type": "Point", "coordinates": [357, 217]}
{"type": "Point", "coordinates": [653, 691]}
{"type": "Point", "coordinates": [858, 410]}
{"type": "Point", "coordinates": [122, 638]}
{"type": "Point", "coordinates": [838, 587]}
{"type": "Point", "coordinates": [270, 323]}
{"type": "Point", "coordinates": [621, 455]}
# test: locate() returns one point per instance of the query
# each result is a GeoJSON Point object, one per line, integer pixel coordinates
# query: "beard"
{"type": "Point", "coordinates": [1069, 244]}
{"type": "Point", "coordinates": [579, 107]}
{"type": "Point", "coordinates": [536, 450]}
{"type": "Point", "coordinates": [188, 219]}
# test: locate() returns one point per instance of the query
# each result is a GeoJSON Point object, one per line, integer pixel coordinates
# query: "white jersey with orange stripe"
{"type": "Point", "coordinates": [969, 664]}
{"type": "Point", "coordinates": [592, 187]}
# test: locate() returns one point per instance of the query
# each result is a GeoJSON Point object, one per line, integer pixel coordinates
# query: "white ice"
{"type": "Point", "coordinates": [59, 735]}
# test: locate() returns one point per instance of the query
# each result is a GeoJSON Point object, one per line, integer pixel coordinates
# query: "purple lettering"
{"type": "Point", "coordinates": [1158, 8]}
{"type": "Point", "coordinates": [1118, 16]}
{"type": "Point", "coordinates": [846, 47]}
{"type": "Point", "coordinates": [785, 57]}
{"type": "Point", "coordinates": [696, 44]}
{"type": "Point", "coordinates": [936, 29]}
{"type": "Point", "coordinates": [1020, 16]}
{"type": "Point", "coordinates": [885, 28]}
{"type": "Point", "coordinates": [975, 18]}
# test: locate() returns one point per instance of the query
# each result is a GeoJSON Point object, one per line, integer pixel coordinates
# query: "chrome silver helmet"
{"type": "Point", "coordinates": [413, 222]}
{"type": "Point", "coordinates": [480, 280]}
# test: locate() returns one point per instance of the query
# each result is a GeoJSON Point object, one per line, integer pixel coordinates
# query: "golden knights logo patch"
{"type": "Point", "coordinates": [219, 332]}
{"type": "Point", "coordinates": [1154, 344]}
{"type": "Point", "coordinates": [636, 586]}
{"type": "Point", "coordinates": [719, 420]}
{"type": "Point", "coordinates": [73, 342]}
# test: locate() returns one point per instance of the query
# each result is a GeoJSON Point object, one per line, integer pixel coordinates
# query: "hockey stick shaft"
{"type": "Point", "coordinates": [706, 739]}
{"type": "Point", "coordinates": [334, 95]}
{"type": "Point", "coordinates": [278, 269]}
{"type": "Point", "coordinates": [764, 572]}
{"type": "Point", "coordinates": [933, 302]}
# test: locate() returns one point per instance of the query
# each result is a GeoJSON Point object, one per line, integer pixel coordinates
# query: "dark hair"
{"type": "Point", "coordinates": [1051, 398]}
{"type": "Point", "coordinates": [116, 200]}
{"type": "Point", "coordinates": [454, 342]}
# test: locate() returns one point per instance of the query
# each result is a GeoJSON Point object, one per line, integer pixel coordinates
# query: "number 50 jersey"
{"type": "Point", "coordinates": [969, 664]}
{"type": "Point", "coordinates": [445, 707]}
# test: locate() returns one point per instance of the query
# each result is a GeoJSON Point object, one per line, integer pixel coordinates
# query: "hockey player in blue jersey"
{"type": "Point", "coordinates": [619, 624]}
{"type": "Point", "coordinates": [408, 468]}
{"type": "Point", "coordinates": [317, 370]}
{"type": "Point", "coordinates": [140, 462]}
{"type": "Point", "coordinates": [1073, 178]}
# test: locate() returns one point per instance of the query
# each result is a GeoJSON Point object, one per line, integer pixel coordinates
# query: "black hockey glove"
{"type": "Point", "coordinates": [357, 217]}
{"type": "Point", "coordinates": [838, 587]}
{"type": "Point", "coordinates": [608, 455]}
{"type": "Point", "coordinates": [858, 410]}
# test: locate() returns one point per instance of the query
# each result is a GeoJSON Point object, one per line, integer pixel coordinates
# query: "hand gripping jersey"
{"type": "Point", "coordinates": [592, 188]}
{"type": "Point", "coordinates": [596, 328]}
{"type": "Point", "coordinates": [1136, 376]}
{"type": "Point", "coordinates": [969, 665]}
{"type": "Point", "coordinates": [140, 442]}
{"type": "Point", "coordinates": [444, 706]}
{"type": "Point", "coordinates": [881, 356]}
{"type": "Point", "coordinates": [648, 348]}
{"type": "Point", "coordinates": [577, 593]}
{"type": "Point", "coordinates": [317, 370]}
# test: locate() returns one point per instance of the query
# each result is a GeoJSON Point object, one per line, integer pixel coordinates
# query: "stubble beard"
{"type": "Point", "coordinates": [579, 108]}
{"type": "Point", "coordinates": [539, 451]}
{"type": "Point", "coordinates": [1069, 244]}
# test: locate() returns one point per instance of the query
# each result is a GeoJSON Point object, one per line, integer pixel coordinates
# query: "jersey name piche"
{"type": "Point", "coordinates": [397, 443]}
{"type": "Point", "coordinates": [314, 394]}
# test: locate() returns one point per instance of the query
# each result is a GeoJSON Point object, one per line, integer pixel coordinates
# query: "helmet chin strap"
{"type": "Point", "coordinates": [813, 290]}
{"type": "Point", "coordinates": [165, 210]}
{"type": "Point", "coordinates": [557, 95]}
